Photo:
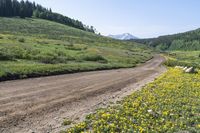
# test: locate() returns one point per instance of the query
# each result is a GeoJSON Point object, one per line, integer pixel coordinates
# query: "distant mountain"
{"type": "Point", "coordinates": [125, 36]}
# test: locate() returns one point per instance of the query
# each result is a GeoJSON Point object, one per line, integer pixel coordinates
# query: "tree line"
{"type": "Point", "coordinates": [23, 9]}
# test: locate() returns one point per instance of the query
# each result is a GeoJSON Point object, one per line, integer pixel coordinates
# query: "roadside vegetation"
{"type": "Point", "coordinates": [169, 104]}
{"type": "Point", "coordinates": [35, 47]}
{"type": "Point", "coordinates": [183, 58]}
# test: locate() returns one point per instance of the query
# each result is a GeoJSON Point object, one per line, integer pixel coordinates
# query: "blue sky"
{"type": "Point", "coordinates": [142, 18]}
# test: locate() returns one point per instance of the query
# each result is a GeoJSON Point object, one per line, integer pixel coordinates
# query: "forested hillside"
{"type": "Point", "coordinates": [182, 41]}
{"type": "Point", "coordinates": [12, 8]}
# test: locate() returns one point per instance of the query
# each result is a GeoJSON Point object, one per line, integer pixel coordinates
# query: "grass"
{"type": "Point", "coordinates": [169, 104]}
{"type": "Point", "coordinates": [36, 47]}
{"type": "Point", "coordinates": [67, 122]}
{"type": "Point", "coordinates": [183, 58]}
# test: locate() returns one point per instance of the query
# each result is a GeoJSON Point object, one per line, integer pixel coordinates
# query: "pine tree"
{"type": "Point", "coordinates": [29, 9]}
{"type": "Point", "coordinates": [8, 4]}
{"type": "Point", "coordinates": [15, 8]}
{"type": "Point", "coordinates": [3, 9]}
{"type": "Point", "coordinates": [22, 9]}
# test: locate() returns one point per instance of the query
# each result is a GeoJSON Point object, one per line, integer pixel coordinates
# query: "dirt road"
{"type": "Point", "coordinates": [39, 105]}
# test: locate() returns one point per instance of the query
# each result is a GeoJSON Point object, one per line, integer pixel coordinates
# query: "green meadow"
{"type": "Point", "coordinates": [183, 58]}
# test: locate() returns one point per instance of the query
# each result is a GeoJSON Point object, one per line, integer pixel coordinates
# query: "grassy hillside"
{"type": "Point", "coordinates": [36, 47]}
{"type": "Point", "coordinates": [188, 41]}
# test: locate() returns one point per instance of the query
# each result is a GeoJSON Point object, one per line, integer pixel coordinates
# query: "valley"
{"type": "Point", "coordinates": [61, 75]}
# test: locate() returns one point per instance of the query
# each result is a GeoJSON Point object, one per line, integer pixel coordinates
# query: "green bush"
{"type": "Point", "coordinates": [6, 55]}
{"type": "Point", "coordinates": [21, 40]}
{"type": "Point", "coordinates": [93, 57]}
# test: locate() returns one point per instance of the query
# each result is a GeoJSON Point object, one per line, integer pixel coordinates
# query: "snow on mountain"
{"type": "Point", "coordinates": [125, 36]}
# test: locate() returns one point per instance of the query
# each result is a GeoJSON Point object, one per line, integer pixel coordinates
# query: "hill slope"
{"type": "Point", "coordinates": [26, 9]}
{"type": "Point", "coordinates": [182, 41]}
{"type": "Point", "coordinates": [36, 47]}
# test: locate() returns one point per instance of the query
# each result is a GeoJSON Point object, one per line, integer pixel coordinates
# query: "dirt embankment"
{"type": "Point", "coordinates": [39, 105]}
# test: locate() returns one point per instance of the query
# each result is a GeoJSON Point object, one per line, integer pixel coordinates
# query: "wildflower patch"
{"type": "Point", "coordinates": [171, 103]}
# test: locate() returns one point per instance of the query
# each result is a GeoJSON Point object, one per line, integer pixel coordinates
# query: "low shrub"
{"type": "Point", "coordinates": [6, 55]}
{"type": "Point", "coordinates": [21, 40]}
{"type": "Point", "coordinates": [93, 57]}
{"type": "Point", "coordinates": [67, 122]}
